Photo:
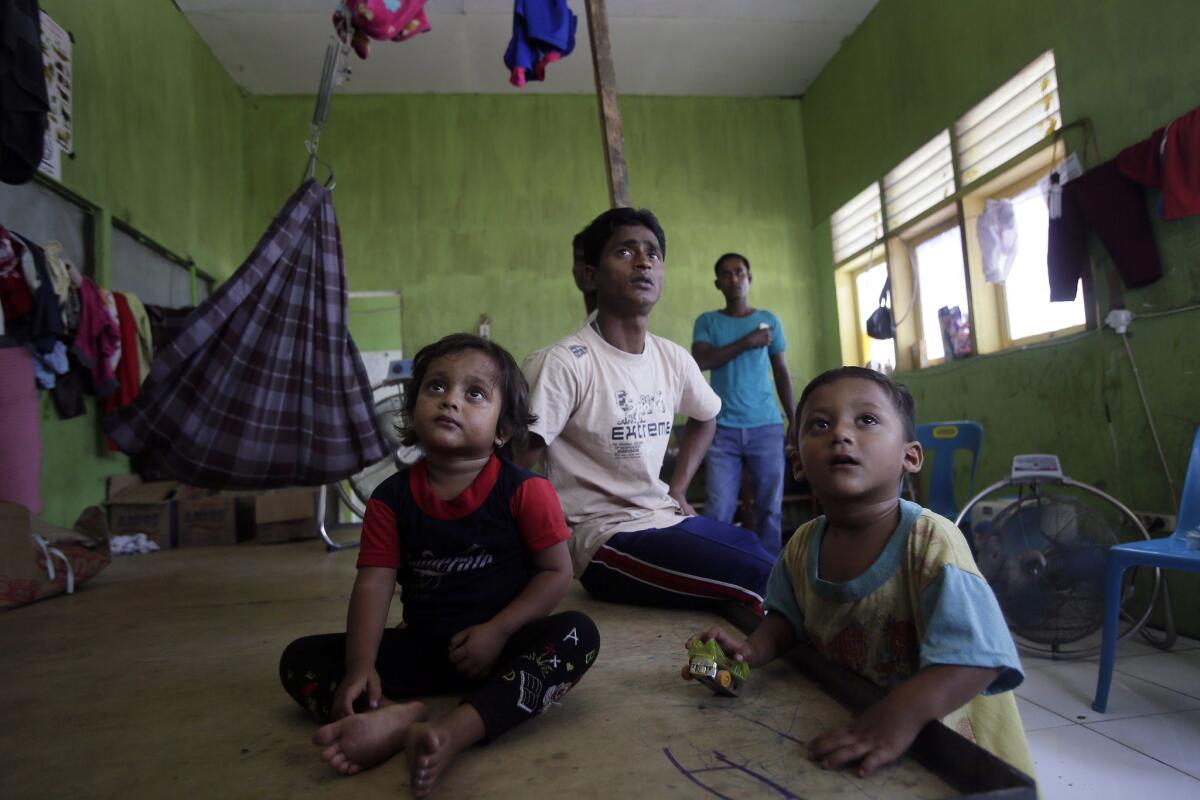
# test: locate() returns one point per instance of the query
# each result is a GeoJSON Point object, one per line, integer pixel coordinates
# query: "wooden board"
{"type": "Point", "coordinates": [607, 99]}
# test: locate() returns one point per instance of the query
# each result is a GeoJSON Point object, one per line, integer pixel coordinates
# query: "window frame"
{"type": "Point", "coordinates": [986, 303]}
{"type": "Point", "coordinates": [195, 274]}
{"type": "Point", "coordinates": [911, 242]}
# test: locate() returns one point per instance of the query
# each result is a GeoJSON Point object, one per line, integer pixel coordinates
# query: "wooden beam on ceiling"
{"type": "Point", "coordinates": [607, 99]}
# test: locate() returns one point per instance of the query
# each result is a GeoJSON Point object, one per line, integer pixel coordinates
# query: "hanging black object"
{"type": "Point", "coordinates": [264, 387]}
{"type": "Point", "coordinates": [880, 324]}
{"type": "Point", "coordinates": [23, 100]}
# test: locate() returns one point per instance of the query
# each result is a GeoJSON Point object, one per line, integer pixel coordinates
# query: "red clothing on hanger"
{"type": "Point", "coordinates": [1169, 159]}
{"type": "Point", "coordinates": [128, 383]}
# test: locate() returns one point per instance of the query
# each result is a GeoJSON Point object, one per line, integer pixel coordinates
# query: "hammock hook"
{"type": "Point", "coordinates": [335, 72]}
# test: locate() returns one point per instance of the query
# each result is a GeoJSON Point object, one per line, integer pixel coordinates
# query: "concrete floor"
{"type": "Point", "coordinates": [159, 679]}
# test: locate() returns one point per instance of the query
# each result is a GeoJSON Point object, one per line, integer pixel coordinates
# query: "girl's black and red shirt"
{"type": "Point", "coordinates": [461, 561]}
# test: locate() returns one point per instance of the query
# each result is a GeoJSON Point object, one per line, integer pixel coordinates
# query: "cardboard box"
{"type": "Point", "coordinates": [119, 483]}
{"type": "Point", "coordinates": [285, 515]}
{"type": "Point", "coordinates": [147, 508]}
{"type": "Point", "coordinates": [215, 520]}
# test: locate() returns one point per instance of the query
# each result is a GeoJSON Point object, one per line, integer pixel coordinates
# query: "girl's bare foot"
{"type": "Point", "coordinates": [361, 741]}
{"type": "Point", "coordinates": [431, 746]}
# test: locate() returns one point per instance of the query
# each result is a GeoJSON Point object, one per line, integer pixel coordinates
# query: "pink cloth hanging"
{"type": "Point", "coordinates": [20, 434]}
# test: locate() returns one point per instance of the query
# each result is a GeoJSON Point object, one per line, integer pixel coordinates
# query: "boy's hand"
{"type": "Point", "coordinates": [474, 650]}
{"type": "Point", "coordinates": [881, 735]}
{"type": "Point", "coordinates": [759, 337]}
{"type": "Point", "coordinates": [737, 649]}
{"type": "Point", "coordinates": [685, 507]}
{"type": "Point", "coordinates": [354, 685]}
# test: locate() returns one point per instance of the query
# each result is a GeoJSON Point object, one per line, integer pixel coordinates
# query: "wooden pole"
{"type": "Point", "coordinates": [606, 96]}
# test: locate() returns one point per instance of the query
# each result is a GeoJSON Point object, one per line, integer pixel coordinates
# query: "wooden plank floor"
{"type": "Point", "coordinates": [160, 679]}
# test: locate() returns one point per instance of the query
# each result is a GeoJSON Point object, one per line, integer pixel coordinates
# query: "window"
{"type": "Point", "coordinates": [879, 354]}
{"type": "Point", "coordinates": [927, 209]}
{"type": "Point", "coordinates": [151, 272]}
{"type": "Point", "coordinates": [942, 289]}
{"type": "Point", "coordinates": [858, 224]}
{"type": "Point", "coordinates": [919, 182]}
{"type": "Point", "coordinates": [1027, 305]}
{"type": "Point", "coordinates": [1018, 115]}
{"type": "Point", "coordinates": [44, 214]}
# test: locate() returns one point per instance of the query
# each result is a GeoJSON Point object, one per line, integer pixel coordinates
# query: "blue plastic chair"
{"type": "Point", "coordinates": [1170, 552]}
{"type": "Point", "coordinates": [942, 439]}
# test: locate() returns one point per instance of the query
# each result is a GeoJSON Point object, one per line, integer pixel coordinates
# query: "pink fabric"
{"type": "Point", "coordinates": [20, 434]}
{"type": "Point", "coordinates": [97, 339]}
{"type": "Point", "coordinates": [357, 21]}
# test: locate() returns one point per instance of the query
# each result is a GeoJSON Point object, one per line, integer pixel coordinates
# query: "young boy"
{"type": "Point", "coordinates": [606, 398]}
{"type": "Point", "coordinates": [884, 587]}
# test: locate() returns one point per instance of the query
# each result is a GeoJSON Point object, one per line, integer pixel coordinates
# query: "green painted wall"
{"type": "Point", "coordinates": [467, 204]}
{"type": "Point", "coordinates": [158, 136]}
{"type": "Point", "coordinates": [909, 71]}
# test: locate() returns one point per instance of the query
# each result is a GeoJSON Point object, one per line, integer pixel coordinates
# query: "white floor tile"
{"type": "Point", "coordinates": [1132, 647]}
{"type": "Point", "coordinates": [1171, 738]}
{"type": "Point", "coordinates": [1068, 689]}
{"type": "Point", "coordinates": [1179, 671]}
{"type": "Point", "coordinates": [1136, 646]}
{"type": "Point", "coordinates": [1074, 763]}
{"type": "Point", "coordinates": [1036, 718]}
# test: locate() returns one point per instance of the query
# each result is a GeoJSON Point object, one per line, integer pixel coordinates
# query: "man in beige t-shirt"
{"type": "Point", "coordinates": [606, 398]}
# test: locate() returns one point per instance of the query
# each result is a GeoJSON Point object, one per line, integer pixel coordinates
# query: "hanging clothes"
{"type": "Point", "coordinates": [110, 306]}
{"type": "Point", "coordinates": [59, 270]}
{"type": "Point", "coordinates": [24, 104]}
{"type": "Point", "coordinates": [46, 324]}
{"type": "Point", "coordinates": [997, 228]}
{"type": "Point", "coordinates": [359, 21]}
{"type": "Point", "coordinates": [1106, 202]}
{"type": "Point", "coordinates": [543, 32]}
{"type": "Point", "coordinates": [127, 368]}
{"type": "Point", "coordinates": [1169, 160]}
{"type": "Point", "coordinates": [47, 367]}
{"type": "Point", "coordinates": [96, 339]}
{"type": "Point", "coordinates": [145, 339]}
{"type": "Point", "coordinates": [16, 300]}
{"type": "Point", "coordinates": [264, 387]}
{"type": "Point", "coordinates": [68, 391]}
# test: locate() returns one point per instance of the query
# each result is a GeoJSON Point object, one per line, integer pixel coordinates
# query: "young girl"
{"type": "Point", "coordinates": [479, 548]}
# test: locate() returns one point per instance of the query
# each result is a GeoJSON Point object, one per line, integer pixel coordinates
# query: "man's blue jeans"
{"type": "Point", "coordinates": [760, 450]}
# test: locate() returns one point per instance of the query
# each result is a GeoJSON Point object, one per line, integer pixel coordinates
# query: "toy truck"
{"type": "Point", "coordinates": [708, 664]}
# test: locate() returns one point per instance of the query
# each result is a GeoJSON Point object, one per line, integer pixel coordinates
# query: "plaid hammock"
{"type": "Point", "coordinates": [264, 387]}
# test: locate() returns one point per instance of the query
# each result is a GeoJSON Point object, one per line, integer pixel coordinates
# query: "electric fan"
{"type": "Point", "coordinates": [356, 490]}
{"type": "Point", "coordinates": [1043, 552]}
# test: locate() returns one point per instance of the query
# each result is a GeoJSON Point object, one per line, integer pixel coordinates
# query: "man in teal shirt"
{"type": "Point", "coordinates": [744, 347]}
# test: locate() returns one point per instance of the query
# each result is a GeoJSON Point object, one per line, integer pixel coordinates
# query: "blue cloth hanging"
{"type": "Point", "coordinates": [543, 32]}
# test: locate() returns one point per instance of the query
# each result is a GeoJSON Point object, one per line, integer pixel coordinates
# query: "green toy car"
{"type": "Point", "coordinates": [708, 664]}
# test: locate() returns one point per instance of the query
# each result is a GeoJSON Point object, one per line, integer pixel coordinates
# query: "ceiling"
{"type": "Point", "coordinates": [660, 47]}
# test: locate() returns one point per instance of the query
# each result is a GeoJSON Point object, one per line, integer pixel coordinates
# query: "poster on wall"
{"type": "Point", "coordinates": [56, 60]}
{"type": "Point", "coordinates": [51, 165]}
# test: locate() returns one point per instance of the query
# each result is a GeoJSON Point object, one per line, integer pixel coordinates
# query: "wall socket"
{"type": "Point", "coordinates": [1157, 524]}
